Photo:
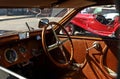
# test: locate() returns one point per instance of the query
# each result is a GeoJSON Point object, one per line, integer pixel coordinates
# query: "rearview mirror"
{"type": "Point", "coordinates": [43, 22]}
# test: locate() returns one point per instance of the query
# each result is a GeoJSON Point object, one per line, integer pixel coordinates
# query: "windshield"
{"type": "Point", "coordinates": [24, 19]}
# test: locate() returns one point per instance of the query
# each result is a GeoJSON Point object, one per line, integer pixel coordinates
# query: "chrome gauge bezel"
{"type": "Point", "coordinates": [10, 52]}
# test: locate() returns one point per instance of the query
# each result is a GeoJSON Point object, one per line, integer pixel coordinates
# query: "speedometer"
{"type": "Point", "coordinates": [10, 55]}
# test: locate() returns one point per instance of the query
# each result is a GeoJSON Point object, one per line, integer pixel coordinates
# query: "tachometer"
{"type": "Point", "coordinates": [10, 55]}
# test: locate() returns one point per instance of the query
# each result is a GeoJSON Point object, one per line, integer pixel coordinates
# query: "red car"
{"type": "Point", "coordinates": [94, 23]}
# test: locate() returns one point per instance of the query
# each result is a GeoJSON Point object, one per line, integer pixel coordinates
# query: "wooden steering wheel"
{"type": "Point", "coordinates": [56, 50]}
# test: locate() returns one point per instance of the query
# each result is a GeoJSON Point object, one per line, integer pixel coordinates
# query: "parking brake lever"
{"type": "Point", "coordinates": [95, 45]}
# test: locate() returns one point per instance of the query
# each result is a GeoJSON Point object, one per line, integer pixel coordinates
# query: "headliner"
{"type": "Point", "coordinates": [49, 3]}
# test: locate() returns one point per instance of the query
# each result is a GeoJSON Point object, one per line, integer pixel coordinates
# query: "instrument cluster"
{"type": "Point", "coordinates": [19, 52]}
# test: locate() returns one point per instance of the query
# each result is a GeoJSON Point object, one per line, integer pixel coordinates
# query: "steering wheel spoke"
{"type": "Point", "coordinates": [56, 45]}
{"type": "Point", "coordinates": [63, 41]}
{"type": "Point", "coordinates": [53, 46]}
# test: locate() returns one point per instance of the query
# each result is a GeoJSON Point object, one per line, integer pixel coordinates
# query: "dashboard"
{"type": "Point", "coordinates": [19, 49]}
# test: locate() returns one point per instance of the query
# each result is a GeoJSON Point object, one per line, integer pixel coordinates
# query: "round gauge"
{"type": "Point", "coordinates": [22, 49]}
{"type": "Point", "coordinates": [11, 55]}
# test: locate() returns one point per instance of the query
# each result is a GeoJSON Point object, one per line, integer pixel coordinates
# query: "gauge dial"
{"type": "Point", "coordinates": [10, 55]}
{"type": "Point", "coordinates": [22, 49]}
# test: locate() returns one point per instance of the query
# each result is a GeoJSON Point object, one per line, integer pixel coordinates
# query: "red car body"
{"type": "Point", "coordinates": [91, 24]}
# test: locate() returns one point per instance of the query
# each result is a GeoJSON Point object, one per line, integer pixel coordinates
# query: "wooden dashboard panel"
{"type": "Point", "coordinates": [25, 49]}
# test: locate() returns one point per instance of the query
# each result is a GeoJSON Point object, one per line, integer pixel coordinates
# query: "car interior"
{"type": "Point", "coordinates": [33, 47]}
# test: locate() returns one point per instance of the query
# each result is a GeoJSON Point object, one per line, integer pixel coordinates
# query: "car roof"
{"type": "Point", "coordinates": [52, 3]}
